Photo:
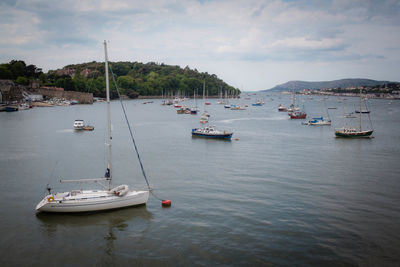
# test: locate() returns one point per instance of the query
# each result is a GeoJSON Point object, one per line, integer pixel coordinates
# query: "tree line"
{"type": "Point", "coordinates": [132, 78]}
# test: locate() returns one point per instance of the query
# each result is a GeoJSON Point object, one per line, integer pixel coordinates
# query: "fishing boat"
{"type": "Point", "coordinates": [95, 200]}
{"type": "Point", "coordinates": [211, 132]}
{"type": "Point", "coordinates": [297, 115]}
{"type": "Point", "coordinates": [79, 125]}
{"type": "Point", "coordinates": [348, 132]}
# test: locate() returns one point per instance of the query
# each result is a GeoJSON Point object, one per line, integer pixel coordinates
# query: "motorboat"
{"type": "Point", "coordinates": [79, 125]}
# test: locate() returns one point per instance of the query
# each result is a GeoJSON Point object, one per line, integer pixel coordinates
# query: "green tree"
{"type": "Point", "coordinates": [120, 68]}
{"type": "Point", "coordinates": [22, 80]}
{"type": "Point", "coordinates": [126, 82]}
{"type": "Point", "coordinates": [5, 72]}
{"type": "Point", "coordinates": [79, 84]}
{"type": "Point", "coordinates": [17, 68]}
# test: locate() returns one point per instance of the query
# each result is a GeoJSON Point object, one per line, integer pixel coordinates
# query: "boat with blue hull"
{"type": "Point", "coordinates": [211, 132]}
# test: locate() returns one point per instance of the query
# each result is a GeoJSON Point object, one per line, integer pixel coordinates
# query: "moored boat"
{"type": "Point", "coordinates": [351, 132]}
{"type": "Point", "coordinates": [96, 200]}
{"type": "Point", "coordinates": [211, 132]}
{"type": "Point", "coordinates": [297, 115]}
{"type": "Point", "coordinates": [348, 132]}
{"type": "Point", "coordinates": [362, 111]}
{"type": "Point", "coordinates": [282, 108]}
{"type": "Point", "coordinates": [80, 126]}
{"type": "Point", "coordinates": [319, 122]}
{"type": "Point", "coordinates": [11, 108]}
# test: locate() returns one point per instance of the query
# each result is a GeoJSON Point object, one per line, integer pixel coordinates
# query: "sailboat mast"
{"type": "Point", "coordinates": [109, 169]}
{"type": "Point", "coordinates": [360, 110]}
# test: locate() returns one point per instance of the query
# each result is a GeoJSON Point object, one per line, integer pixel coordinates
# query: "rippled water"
{"type": "Point", "coordinates": [283, 194]}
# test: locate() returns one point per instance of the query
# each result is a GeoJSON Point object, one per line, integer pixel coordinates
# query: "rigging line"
{"type": "Point", "coordinates": [369, 116]}
{"type": "Point", "coordinates": [130, 131]}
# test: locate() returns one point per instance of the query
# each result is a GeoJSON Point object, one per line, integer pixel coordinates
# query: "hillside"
{"type": "Point", "coordinates": [146, 79]}
{"type": "Point", "coordinates": [343, 83]}
{"type": "Point", "coordinates": [132, 78]}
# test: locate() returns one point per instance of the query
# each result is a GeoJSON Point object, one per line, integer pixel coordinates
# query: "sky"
{"type": "Point", "coordinates": [250, 44]}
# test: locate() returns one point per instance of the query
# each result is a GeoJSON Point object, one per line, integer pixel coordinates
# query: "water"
{"type": "Point", "coordinates": [283, 194]}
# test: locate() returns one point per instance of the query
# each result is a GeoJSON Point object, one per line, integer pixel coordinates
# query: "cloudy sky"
{"type": "Point", "coordinates": [250, 44]}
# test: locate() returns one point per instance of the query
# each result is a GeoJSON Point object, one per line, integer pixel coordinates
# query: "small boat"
{"type": "Point", "coordinates": [362, 111]}
{"type": "Point", "coordinates": [11, 108]}
{"type": "Point", "coordinates": [80, 126]}
{"type": "Point", "coordinates": [259, 102]}
{"type": "Point", "coordinates": [297, 115]}
{"type": "Point", "coordinates": [204, 118]}
{"type": "Point", "coordinates": [350, 115]}
{"type": "Point", "coordinates": [319, 122]}
{"type": "Point", "coordinates": [193, 111]}
{"type": "Point", "coordinates": [211, 132]}
{"type": "Point", "coordinates": [282, 108]}
{"type": "Point", "coordinates": [227, 106]}
{"type": "Point", "coordinates": [207, 103]}
{"type": "Point", "coordinates": [234, 107]}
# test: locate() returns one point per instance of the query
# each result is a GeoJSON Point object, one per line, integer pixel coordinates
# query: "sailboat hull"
{"type": "Point", "coordinates": [353, 134]}
{"type": "Point", "coordinates": [84, 201]}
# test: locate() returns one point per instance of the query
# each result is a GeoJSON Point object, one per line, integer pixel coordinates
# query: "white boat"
{"type": "Point", "coordinates": [350, 115]}
{"type": "Point", "coordinates": [204, 117]}
{"type": "Point", "coordinates": [319, 122]}
{"type": "Point", "coordinates": [282, 108]}
{"type": "Point", "coordinates": [79, 125]}
{"type": "Point", "coordinates": [95, 200]}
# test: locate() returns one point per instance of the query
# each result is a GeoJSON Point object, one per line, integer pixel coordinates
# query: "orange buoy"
{"type": "Point", "coordinates": [236, 139]}
{"type": "Point", "coordinates": [166, 203]}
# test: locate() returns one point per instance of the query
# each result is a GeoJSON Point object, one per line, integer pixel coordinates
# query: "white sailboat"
{"type": "Point", "coordinates": [204, 117]}
{"type": "Point", "coordinates": [95, 200]}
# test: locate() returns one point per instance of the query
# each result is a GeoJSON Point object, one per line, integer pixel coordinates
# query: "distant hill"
{"type": "Point", "coordinates": [300, 85]}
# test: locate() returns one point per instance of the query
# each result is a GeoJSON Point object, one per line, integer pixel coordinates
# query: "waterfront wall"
{"type": "Point", "coordinates": [82, 98]}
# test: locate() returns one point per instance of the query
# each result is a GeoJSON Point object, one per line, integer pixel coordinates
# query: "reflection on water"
{"type": "Point", "coordinates": [111, 224]}
{"type": "Point", "coordinates": [119, 218]}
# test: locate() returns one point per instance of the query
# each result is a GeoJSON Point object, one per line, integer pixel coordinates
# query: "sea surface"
{"type": "Point", "coordinates": [279, 194]}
